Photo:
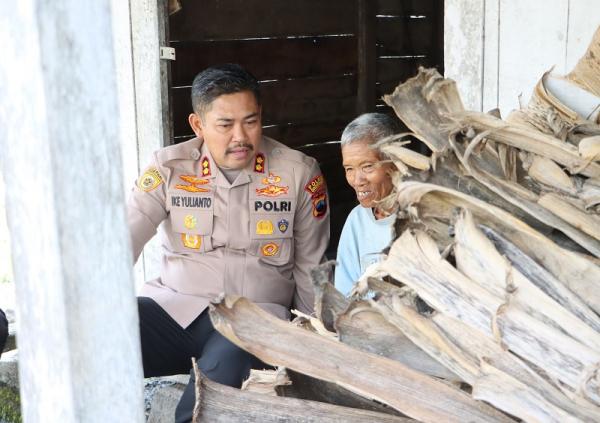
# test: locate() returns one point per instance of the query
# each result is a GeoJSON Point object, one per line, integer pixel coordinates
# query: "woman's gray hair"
{"type": "Point", "coordinates": [371, 127]}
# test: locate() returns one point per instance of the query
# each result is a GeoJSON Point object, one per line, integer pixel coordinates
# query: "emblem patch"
{"type": "Point", "coordinates": [270, 249]}
{"type": "Point", "coordinates": [272, 189]}
{"type": "Point", "coordinates": [205, 166]}
{"type": "Point", "coordinates": [150, 180]}
{"type": "Point", "coordinates": [283, 225]}
{"type": "Point", "coordinates": [191, 241]}
{"type": "Point", "coordinates": [259, 163]}
{"type": "Point", "coordinates": [193, 184]}
{"type": "Point", "coordinates": [319, 203]}
{"type": "Point", "coordinates": [264, 227]}
{"type": "Point", "coordinates": [315, 185]}
{"type": "Point", "coordinates": [190, 221]}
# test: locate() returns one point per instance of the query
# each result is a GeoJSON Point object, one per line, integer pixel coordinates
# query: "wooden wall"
{"type": "Point", "coordinates": [320, 63]}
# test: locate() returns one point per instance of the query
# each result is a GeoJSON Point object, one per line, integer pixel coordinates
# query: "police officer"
{"type": "Point", "coordinates": [238, 213]}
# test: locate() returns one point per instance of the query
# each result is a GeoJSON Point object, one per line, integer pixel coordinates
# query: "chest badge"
{"type": "Point", "coordinates": [190, 221]}
{"type": "Point", "coordinates": [259, 163]}
{"type": "Point", "coordinates": [191, 241]}
{"type": "Point", "coordinates": [283, 225]}
{"type": "Point", "coordinates": [205, 163]}
{"type": "Point", "coordinates": [193, 184]}
{"type": "Point", "coordinates": [264, 227]}
{"type": "Point", "coordinates": [272, 189]}
{"type": "Point", "coordinates": [270, 249]}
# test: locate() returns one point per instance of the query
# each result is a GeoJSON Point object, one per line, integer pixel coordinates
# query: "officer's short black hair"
{"type": "Point", "coordinates": [218, 80]}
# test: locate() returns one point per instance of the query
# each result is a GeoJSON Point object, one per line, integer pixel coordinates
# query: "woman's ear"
{"type": "Point", "coordinates": [196, 124]}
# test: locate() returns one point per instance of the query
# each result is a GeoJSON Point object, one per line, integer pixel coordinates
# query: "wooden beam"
{"type": "Point", "coordinates": [366, 56]}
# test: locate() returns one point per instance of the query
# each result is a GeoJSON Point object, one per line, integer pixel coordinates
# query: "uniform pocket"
{"type": "Point", "coordinates": [191, 221]}
{"type": "Point", "coordinates": [276, 252]}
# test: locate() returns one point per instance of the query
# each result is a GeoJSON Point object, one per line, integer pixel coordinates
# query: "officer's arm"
{"type": "Point", "coordinates": [311, 236]}
{"type": "Point", "coordinates": [146, 208]}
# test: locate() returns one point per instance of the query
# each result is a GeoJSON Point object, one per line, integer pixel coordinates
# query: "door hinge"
{"type": "Point", "coordinates": [167, 53]}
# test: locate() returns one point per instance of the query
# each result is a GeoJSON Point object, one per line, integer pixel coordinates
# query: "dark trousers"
{"type": "Point", "coordinates": [3, 331]}
{"type": "Point", "coordinates": [168, 349]}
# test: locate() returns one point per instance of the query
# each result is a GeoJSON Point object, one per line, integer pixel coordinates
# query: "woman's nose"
{"type": "Point", "coordinates": [359, 178]}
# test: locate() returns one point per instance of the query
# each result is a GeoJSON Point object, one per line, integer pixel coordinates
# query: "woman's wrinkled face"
{"type": "Point", "coordinates": [365, 173]}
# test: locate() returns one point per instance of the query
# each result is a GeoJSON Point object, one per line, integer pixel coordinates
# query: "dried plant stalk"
{"type": "Point", "coordinates": [280, 343]}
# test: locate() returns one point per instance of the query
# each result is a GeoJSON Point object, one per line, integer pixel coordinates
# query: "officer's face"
{"type": "Point", "coordinates": [365, 173]}
{"type": "Point", "coordinates": [231, 129]}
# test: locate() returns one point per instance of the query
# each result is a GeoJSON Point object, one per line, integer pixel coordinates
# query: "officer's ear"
{"type": "Point", "coordinates": [196, 124]}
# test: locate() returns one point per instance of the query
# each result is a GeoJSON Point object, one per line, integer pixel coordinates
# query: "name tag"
{"type": "Point", "coordinates": [272, 205]}
{"type": "Point", "coordinates": [191, 202]}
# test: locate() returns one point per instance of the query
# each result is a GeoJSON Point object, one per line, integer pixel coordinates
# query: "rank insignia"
{"type": "Point", "coordinates": [283, 225]}
{"type": "Point", "coordinates": [193, 184]}
{"type": "Point", "coordinates": [259, 163]}
{"type": "Point", "coordinates": [315, 185]}
{"type": "Point", "coordinates": [272, 189]}
{"type": "Point", "coordinates": [264, 227]}
{"type": "Point", "coordinates": [190, 221]}
{"type": "Point", "coordinates": [205, 163]}
{"type": "Point", "coordinates": [270, 249]}
{"type": "Point", "coordinates": [191, 241]}
{"type": "Point", "coordinates": [319, 203]}
{"type": "Point", "coordinates": [150, 180]}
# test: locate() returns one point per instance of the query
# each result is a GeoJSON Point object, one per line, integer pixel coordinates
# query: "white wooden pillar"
{"type": "Point", "coordinates": [148, 34]}
{"type": "Point", "coordinates": [497, 50]}
{"type": "Point", "coordinates": [79, 345]}
{"type": "Point", "coordinates": [463, 48]}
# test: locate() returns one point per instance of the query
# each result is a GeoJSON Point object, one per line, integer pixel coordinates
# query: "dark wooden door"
{"type": "Point", "coordinates": [320, 62]}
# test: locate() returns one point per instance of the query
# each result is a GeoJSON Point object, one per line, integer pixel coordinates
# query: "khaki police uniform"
{"type": "Point", "coordinates": [257, 237]}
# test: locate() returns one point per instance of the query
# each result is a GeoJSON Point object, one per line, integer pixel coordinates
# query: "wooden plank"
{"type": "Point", "coordinates": [407, 7]}
{"type": "Point", "coordinates": [366, 56]}
{"type": "Point", "coordinates": [295, 135]}
{"type": "Point", "coordinates": [268, 58]}
{"type": "Point", "coordinates": [236, 19]}
{"type": "Point", "coordinates": [298, 101]}
{"type": "Point", "coordinates": [181, 105]}
{"type": "Point", "coordinates": [405, 36]}
{"type": "Point", "coordinates": [397, 70]}
{"type": "Point", "coordinates": [436, 53]}
{"type": "Point", "coordinates": [284, 101]}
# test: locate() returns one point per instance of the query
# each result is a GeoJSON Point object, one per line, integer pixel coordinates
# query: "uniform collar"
{"type": "Point", "coordinates": [258, 166]}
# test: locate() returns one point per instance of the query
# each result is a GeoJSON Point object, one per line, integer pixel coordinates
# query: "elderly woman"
{"type": "Point", "coordinates": [368, 229]}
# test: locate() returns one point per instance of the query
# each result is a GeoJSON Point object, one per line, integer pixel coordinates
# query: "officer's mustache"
{"type": "Point", "coordinates": [250, 147]}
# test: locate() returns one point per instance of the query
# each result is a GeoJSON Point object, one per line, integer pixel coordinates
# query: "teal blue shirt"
{"type": "Point", "coordinates": [362, 234]}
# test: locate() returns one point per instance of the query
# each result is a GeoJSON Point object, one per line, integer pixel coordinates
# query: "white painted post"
{"type": "Point", "coordinates": [463, 49]}
{"type": "Point", "coordinates": [499, 49]}
{"type": "Point", "coordinates": [121, 23]}
{"type": "Point", "coordinates": [148, 21]}
{"type": "Point", "coordinates": [79, 344]}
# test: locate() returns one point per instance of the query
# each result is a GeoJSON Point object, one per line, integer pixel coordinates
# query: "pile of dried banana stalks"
{"type": "Point", "coordinates": [487, 306]}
